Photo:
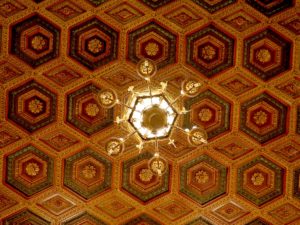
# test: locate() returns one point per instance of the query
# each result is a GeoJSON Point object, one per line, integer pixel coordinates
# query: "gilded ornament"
{"type": "Point", "coordinates": [92, 109]}
{"type": "Point", "coordinates": [257, 179]}
{"type": "Point", "coordinates": [32, 169]}
{"type": "Point", "coordinates": [35, 106]}
{"type": "Point", "coordinates": [205, 114]}
{"type": "Point", "coordinates": [38, 42]}
{"type": "Point", "coordinates": [260, 118]}
{"type": "Point", "coordinates": [208, 52]}
{"type": "Point", "coordinates": [89, 171]}
{"type": "Point", "coordinates": [151, 49]}
{"type": "Point", "coordinates": [202, 177]}
{"type": "Point", "coordinates": [263, 55]}
{"type": "Point", "coordinates": [95, 46]}
{"type": "Point", "coordinates": [145, 175]}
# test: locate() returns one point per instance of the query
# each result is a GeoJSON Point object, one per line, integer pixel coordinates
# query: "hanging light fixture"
{"type": "Point", "coordinates": [152, 115]}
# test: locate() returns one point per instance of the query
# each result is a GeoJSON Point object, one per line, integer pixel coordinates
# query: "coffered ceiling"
{"type": "Point", "coordinates": [55, 56]}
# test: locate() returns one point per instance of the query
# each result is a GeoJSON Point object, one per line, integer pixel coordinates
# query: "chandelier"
{"type": "Point", "coordinates": [152, 115]}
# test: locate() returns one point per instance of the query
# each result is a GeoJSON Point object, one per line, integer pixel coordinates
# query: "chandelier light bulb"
{"type": "Point", "coordinates": [107, 98]}
{"type": "Point", "coordinates": [114, 146]}
{"type": "Point", "coordinates": [191, 87]}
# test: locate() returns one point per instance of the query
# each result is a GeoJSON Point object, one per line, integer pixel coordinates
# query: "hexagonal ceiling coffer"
{"type": "Point", "coordinates": [87, 173]}
{"type": "Point", "coordinates": [29, 170]}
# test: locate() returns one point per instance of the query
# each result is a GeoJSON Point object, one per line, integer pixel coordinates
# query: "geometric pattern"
{"type": "Point", "coordinates": [260, 181]}
{"type": "Point", "coordinates": [234, 147]}
{"type": "Point", "coordinates": [62, 75]}
{"type": "Point", "coordinates": [124, 13]}
{"type": "Point", "coordinates": [263, 118]}
{"type": "Point", "coordinates": [56, 204]}
{"type": "Point", "coordinates": [93, 43]}
{"type": "Point", "coordinates": [240, 20]}
{"type": "Point", "coordinates": [8, 71]}
{"type": "Point", "coordinates": [87, 173]}
{"type": "Point", "coordinates": [6, 202]}
{"type": "Point", "coordinates": [237, 84]}
{"type": "Point", "coordinates": [29, 170]}
{"type": "Point", "coordinates": [292, 24]}
{"type": "Point", "coordinates": [7, 136]}
{"type": "Point", "coordinates": [209, 50]}
{"type": "Point", "coordinates": [84, 112]}
{"type": "Point", "coordinates": [173, 209]}
{"type": "Point", "coordinates": [155, 4]}
{"type": "Point", "coordinates": [203, 179]}
{"type": "Point", "coordinates": [213, 6]}
{"type": "Point", "coordinates": [31, 106]}
{"type": "Point", "coordinates": [25, 217]}
{"type": "Point", "coordinates": [258, 221]}
{"type": "Point", "coordinates": [296, 181]}
{"type": "Point", "coordinates": [84, 218]}
{"type": "Point", "coordinates": [36, 41]}
{"type": "Point", "coordinates": [286, 213]}
{"type": "Point", "coordinates": [267, 54]}
{"type": "Point", "coordinates": [140, 182]}
{"type": "Point", "coordinates": [209, 111]}
{"type": "Point", "coordinates": [230, 212]}
{"type": "Point", "coordinates": [142, 219]}
{"type": "Point", "coordinates": [199, 221]}
{"type": "Point", "coordinates": [183, 16]}
{"type": "Point", "coordinates": [270, 8]}
{"type": "Point", "coordinates": [154, 42]}
{"type": "Point", "coordinates": [10, 7]}
{"type": "Point", "coordinates": [59, 140]}
{"type": "Point", "coordinates": [289, 150]}
{"type": "Point", "coordinates": [65, 10]}
{"type": "Point", "coordinates": [115, 207]}
{"type": "Point", "coordinates": [290, 87]}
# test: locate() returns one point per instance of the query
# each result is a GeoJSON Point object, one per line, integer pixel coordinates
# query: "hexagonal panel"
{"type": "Point", "coordinates": [296, 182]}
{"type": "Point", "coordinates": [29, 170]}
{"type": "Point", "coordinates": [209, 50]}
{"type": "Point", "coordinates": [87, 173]}
{"type": "Point", "coordinates": [32, 106]}
{"type": "Point", "coordinates": [213, 5]}
{"type": "Point", "coordinates": [96, 3]}
{"type": "Point", "coordinates": [263, 118]}
{"type": "Point", "coordinates": [154, 42]}
{"type": "Point", "coordinates": [260, 181]}
{"type": "Point", "coordinates": [267, 54]}
{"type": "Point", "coordinates": [209, 111]}
{"type": "Point", "coordinates": [140, 182]}
{"type": "Point", "coordinates": [25, 217]}
{"type": "Point", "coordinates": [93, 43]}
{"type": "Point", "coordinates": [270, 8]}
{"type": "Point", "coordinates": [36, 40]}
{"type": "Point", "coordinates": [84, 218]}
{"type": "Point", "coordinates": [203, 179]}
{"type": "Point", "coordinates": [84, 112]}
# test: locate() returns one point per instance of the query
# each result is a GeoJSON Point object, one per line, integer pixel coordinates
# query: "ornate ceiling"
{"type": "Point", "coordinates": [56, 55]}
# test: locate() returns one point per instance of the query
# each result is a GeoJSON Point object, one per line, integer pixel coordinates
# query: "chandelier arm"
{"type": "Point", "coordinates": [130, 135]}
{"type": "Point", "coordinates": [127, 106]}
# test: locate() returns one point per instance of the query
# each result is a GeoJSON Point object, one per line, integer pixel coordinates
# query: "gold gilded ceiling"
{"type": "Point", "coordinates": [55, 56]}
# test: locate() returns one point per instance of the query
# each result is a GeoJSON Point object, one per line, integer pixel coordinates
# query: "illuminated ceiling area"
{"type": "Point", "coordinates": [57, 56]}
